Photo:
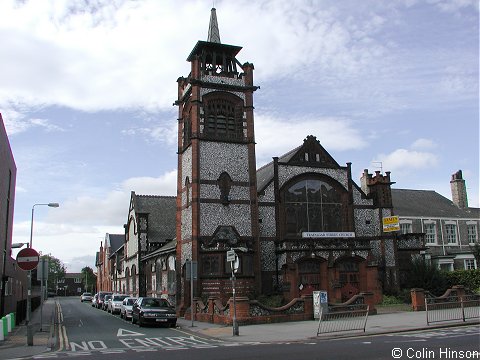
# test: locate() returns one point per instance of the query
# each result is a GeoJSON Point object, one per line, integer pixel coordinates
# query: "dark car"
{"type": "Point", "coordinates": [106, 300]}
{"type": "Point", "coordinates": [101, 298]}
{"type": "Point", "coordinates": [149, 310]}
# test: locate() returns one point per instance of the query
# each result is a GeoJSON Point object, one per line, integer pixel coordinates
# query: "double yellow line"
{"type": "Point", "coordinates": [63, 343]}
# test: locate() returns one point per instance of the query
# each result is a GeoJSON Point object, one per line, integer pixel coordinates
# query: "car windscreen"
{"type": "Point", "coordinates": [154, 303]}
{"type": "Point", "coordinates": [131, 301]}
{"type": "Point", "coordinates": [119, 298]}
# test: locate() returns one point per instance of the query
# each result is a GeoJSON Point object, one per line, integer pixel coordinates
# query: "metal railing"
{"type": "Point", "coordinates": [452, 308]}
{"type": "Point", "coordinates": [349, 318]}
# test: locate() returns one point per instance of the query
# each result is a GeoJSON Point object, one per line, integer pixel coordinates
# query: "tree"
{"type": "Point", "coordinates": [56, 271]}
{"type": "Point", "coordinates": [427, 276]}
{"type": "Point", "coordinates": [89, 279]}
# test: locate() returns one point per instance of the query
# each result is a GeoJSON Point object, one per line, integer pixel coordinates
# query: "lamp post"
{"type": "Point", "coordinates": [29, 280]}
{"type": "Point", "coordinates": [233, 256]}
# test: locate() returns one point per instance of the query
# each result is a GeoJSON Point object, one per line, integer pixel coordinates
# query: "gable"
{"type": "Point", "coordinates": [311, 154]}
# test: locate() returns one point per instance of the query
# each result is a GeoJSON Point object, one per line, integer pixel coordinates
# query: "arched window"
{"type": "Point", "coordinates": [127, 279]}
{"type": "Point", "coordinates": [223, 117]}
{"type": "Point", "coordinates": [134, 279]}
{"type": "Point", "coordinates": [313, 205]}
{"type": "Point", "coordinates": [187, 191]}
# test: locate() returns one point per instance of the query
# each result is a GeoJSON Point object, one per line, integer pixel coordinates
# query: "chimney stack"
{"type": "Point", "coordinates": [459, 190]}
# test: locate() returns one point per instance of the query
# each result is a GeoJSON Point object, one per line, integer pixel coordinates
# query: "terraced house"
{"type": "Point", "coordinates": [450, 226]}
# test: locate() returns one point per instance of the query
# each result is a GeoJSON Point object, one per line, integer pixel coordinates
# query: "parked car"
{"type": "Point", "coordinates": [86, 296]}
{"type": "Point", "coordinates": [126, 308]}
{"type": "Point", "coordinates": [149, 310]}
{"type": "Point", "coordinates": [115, 303]}
{"type": "Point", "coordinates": [106, 299]}
{"type": "Point", "coordinates": [94, 300]}
{"type": "Point", "coordinates": [101, 298]}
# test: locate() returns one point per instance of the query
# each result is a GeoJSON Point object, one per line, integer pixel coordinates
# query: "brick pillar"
{"type": "Point", "coordinates": [460, 290]}
{"type": "Point", "coordinates": [369, 299]}
{"type": "Point", "coordinates": [308, 305]}
{"type": "Point", "coordinates": [243, 308]}
{"type": "Point", "coordinates": [418, 299]}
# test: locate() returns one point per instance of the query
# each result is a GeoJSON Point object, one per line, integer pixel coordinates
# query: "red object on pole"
{"type": "Point", "coordinates": [27, 259]}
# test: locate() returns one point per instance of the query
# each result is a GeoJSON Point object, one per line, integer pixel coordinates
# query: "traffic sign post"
{"type": "Point", "coordinates": [27, 259]}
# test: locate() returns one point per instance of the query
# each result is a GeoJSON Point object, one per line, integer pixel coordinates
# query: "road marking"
{"type": "Point", "coordinates": [199, 337]}
{"type": "Point", "coordinates": [124, 332]}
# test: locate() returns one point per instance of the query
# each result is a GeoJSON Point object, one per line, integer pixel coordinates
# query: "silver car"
{"type": "Point", "coordinates": [126, 308]}
{"type": "Point", "coordinates": [115, 303]}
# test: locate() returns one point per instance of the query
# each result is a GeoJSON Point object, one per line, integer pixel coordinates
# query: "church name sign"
{"type": "Point", "coordinates": [329, 234]}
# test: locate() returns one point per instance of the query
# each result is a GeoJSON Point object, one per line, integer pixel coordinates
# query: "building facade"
{"type": "Point", "coordinates": [13, 281]}
{"type": "Point", "coordinates": [450, 226]}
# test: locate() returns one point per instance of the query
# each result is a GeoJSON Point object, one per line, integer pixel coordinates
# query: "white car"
{"type": "Point", "coordinates": [86, 296]}
{"type": "Point", "coordinates": [126, 308]}
{"type": "Point", "coordinates": [115, 303]}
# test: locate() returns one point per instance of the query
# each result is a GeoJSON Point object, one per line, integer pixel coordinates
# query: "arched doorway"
{"type": "Point", "coordinates": [309, 277]}
{"type": "Point", "coordinates": [348, 277]}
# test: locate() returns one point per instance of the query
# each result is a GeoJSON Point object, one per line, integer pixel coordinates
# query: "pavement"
{"type": "Point", "coordinates": [43, 322]}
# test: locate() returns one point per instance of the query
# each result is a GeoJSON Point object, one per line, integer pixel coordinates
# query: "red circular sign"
{"type": "Point", "coordinates": [27, 259]}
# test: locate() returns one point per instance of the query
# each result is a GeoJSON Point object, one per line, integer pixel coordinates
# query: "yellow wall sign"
{"type": "Point", "coordinates": [390, 223]}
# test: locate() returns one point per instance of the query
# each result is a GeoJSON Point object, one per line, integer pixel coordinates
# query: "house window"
{"type": "Point", "coordinates": [430, 233]}
{"type": "Point", "coordinates": [470, 264]}
{"type": "Point", "coordinates": [451, 232]}
{"type": "Point", "coordinates": [78, 280]}
{"type": "Point", "coordinates": [472, 233]}
{"type": "Point", "coordinates": [406, 228]}
{"type": "Point", "coordinates": [313, 205]}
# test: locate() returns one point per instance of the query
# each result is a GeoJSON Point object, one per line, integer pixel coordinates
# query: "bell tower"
{"type": "Point", "coordinates": [216, 188]}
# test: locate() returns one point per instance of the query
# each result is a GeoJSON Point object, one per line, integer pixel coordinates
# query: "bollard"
{"type": "Point", "coordinates": [2, 333]}
{"type": "Point", "coordinates": [4, 326]}
{"type": "Point", "coordinates": [9, 323]}
{"type": "Point", "coordinates": [13, 320]}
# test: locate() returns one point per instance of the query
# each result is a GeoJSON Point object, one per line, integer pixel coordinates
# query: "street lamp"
{"type": "Point", "coordinates": [29, 280]}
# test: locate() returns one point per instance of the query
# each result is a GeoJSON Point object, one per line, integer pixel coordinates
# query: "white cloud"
{"type": "Point", "coordinates": [275, 136]}
{"type": "Point", "coordinates": [423, 144]}
{"type": "Point", "coordinates": [403, 160]}
{"type": "Point", "coordinates": [110, 208]}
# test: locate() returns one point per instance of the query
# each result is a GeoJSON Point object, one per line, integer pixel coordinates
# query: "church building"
{"type": "Point", "coordinates": [298, 224]}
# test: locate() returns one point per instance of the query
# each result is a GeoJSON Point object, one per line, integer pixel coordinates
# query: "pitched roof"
{"type": "Point", "coordinates": [116, 241]}
{"type": "Point", "coordinates": [161, 212]}
{"type": "Point", "coordinates": [428, 203]}
{"type": "Point", "coordinates": [265, 173]}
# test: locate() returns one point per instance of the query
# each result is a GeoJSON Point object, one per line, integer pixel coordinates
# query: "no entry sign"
{"type": "Point", "coordinates": [27, 259]}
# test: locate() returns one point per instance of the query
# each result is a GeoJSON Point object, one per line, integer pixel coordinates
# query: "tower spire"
{"type": "Point", "coordinates": [213, 32]}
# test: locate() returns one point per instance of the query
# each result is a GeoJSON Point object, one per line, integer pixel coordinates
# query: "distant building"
{"type": "Point", "coordinates": [142, 261]}
{"type": "Point", "coordinates": [450, 226]}
{"type": "Point", "coordinates": [72, 284]}
{"type": "Point", "coordinates": [105, 266]}
{"type": "Point", "coordinates": [13, 280]}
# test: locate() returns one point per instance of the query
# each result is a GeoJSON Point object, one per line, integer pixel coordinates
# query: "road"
{"type": "Point", "coordinates": [93, 333]}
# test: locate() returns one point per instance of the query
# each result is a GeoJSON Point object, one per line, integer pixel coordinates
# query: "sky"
{"type": "Point", "coordinates": [87, 90]}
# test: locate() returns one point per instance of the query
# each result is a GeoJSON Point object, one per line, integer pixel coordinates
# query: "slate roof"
{"type": "Point", "coordinates": [116, 241]}
{"type": "Point", "coordinates": [265, 173]}
{"type": "Point", "coordinates": [428, 203]}
{"type": "Point", "coordinates": [167, 248]}
{"type": "Point", "coordinates": [161, 212]}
